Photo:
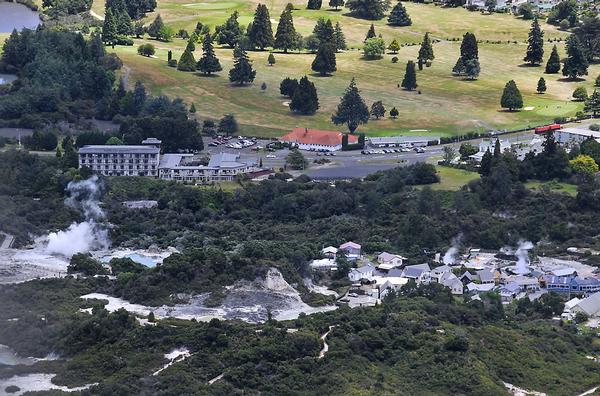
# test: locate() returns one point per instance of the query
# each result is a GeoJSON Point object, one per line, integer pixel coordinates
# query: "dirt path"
{"type": "Point", "coordinates": [325, 345]}
{"type": "Point", "coordinates": [217, 378]}
{"type": "Point", "coordinates": [97, 16]}
{"type": "Point", "coordinates": [7, 242]}
{"type": "Point", "coordinates": [590, 392]}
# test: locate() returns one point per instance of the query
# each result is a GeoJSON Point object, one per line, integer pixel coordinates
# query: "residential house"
{"type": "Point", "coordinates": [468, 277]}
{"type": "Point", "coordinates": [351, 250]}
{"type": "Point", "coordinates": [390, 284]}
{"type": "Point", "coordinates": [568, 313]}
{"type": "Point", "coordinates": [329, 252]}
{"type": "Point", "coordinates": [362, 273]}
{"type": "Point", "coordinates": [419, 272]}
{"type": "Point", "coordinates": [326, 264]}
{"type": "Point", "coordinates": [487, 275]}
{"type": "Point", "coordinates": [589, 306]}
{"type": "Point", "coordinates": [452, 282]}
{"type": "Point", "coordinates": [479, 288]}
{"type": "Point", "coordinates": [509, 291]}
{"type": "Point", "coordinates": [387, 261]}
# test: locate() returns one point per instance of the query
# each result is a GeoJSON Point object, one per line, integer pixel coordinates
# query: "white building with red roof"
{"type": "Point", "coordinates": [315, 139]}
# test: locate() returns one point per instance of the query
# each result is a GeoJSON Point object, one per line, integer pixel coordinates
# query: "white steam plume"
{"type": "Point", "coordinates": [522, 254]}
{"type": "Point", "coordinates": [451, 254]}
{"type": "Point", "coordinates": [89, 234]}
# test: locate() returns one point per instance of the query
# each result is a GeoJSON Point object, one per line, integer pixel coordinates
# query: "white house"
{"type": "Point", "coordinates": [351, 250]}
{"type": "Point", "coordinates": [365, 272]}
{"type": "Point", "coordinates": [387, 261]}
{"type": "Point", "coordinates": [568, 313]}
{"type": "Point", "coordinates": [325, 264]}
{"type": "Point", "coordinates": [452, 282]}
{"type": "Point", "coordinates": [589, 306]}
{"type": "Point", "coordinates": [419, 272]}
{"type": "Point", "coordinates": [438, 272]}
{"type": "Point", "coordinates": [329, 252]}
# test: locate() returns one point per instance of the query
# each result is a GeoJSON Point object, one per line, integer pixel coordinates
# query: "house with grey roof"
{"type": "Point", "coordinates": [486, 275]}
{"type": "Point", "coordinates": [365, 272]}
{"type": "Point", "coordinates": [419, 272]}
{"type": "Point", "coordinates": [452, 282]}
{"type": "Point", "coordinates": [387, 261]}
{"type": "Point", "coordinates": [589, 306]}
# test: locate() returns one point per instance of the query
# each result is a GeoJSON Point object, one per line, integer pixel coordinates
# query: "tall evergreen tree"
{"type": "Point", "coordinates": [271, 59]}
{"type": "Point", "coordinates": [410, 77]}
{"type": "Point", "coordinates": [426, 50]}
{"type": "Point", "coordinates": [340, 39]}
{"type": "Point", "coordinates": [535, 44]}
{"type": "Point", "coordinates": [305, 100]}
{"type": "Point", "coordinates": [124, 24]}
{"type": "Point", "coordinates": [139, 97]}
{"type": "Point", "coordinates": [352, 109]}
{"type": "Point", "coordinates": [371, 33]}
{"type": "Point", "coordinates": [208, 63]}
{"type": "Point", "coordinates": [399, 16]}
{"type": "Point", "coordinates": [472, 69]}
{"type": "Point", "coordinates": [592, 104]}
{"type": "Point", "coordinates": [511, 97]}
{"type": "Point", "coordinates": [325, 61]}
{"type": "Point", "coordinates": [242, 71]}
{"type": "Point", "coordinates": [576, 63]}
{"type": "Point", "coordinates": [324, 31]}
{"type": "Point", "coordinates": [261, 32]}
{"type": "Point", "coordinates": [109, 28]}
{"type": "Point", "coordinates": [314, 4]}
{"type": "Point", "coordinates": [285, 37]}
{"type": "Point", "coordinates": [541, 85]}
{"type": "Point", "coordinates": [155, 27]}
{"type": "Point", "coordinates": [187, 62]}
{"type": "Point", "coordinates": [230, 32]}
{"type": "Point", "coordinates": [368, 9]}
{"type": "Point", "coordinates": [468, 47]}
{"type": "Point", "coordinates": [336, 4]}
{"type": "Point", "coordinates": [553, 64]}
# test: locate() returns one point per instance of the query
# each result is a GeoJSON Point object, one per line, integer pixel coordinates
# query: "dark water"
{"type": "Point", "coordinates": [17, 16]}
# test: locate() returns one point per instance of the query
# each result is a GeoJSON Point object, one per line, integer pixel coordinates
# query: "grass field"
{"type": "Point", "coordinates": [570, 189]}
{"type": "Point", "coordinates": [453, 179]}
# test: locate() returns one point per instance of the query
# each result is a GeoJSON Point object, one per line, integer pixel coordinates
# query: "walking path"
{"type": "Point", "coordinates": [7, 242]}
{"type": "Point", "coordinates": [325, 345]}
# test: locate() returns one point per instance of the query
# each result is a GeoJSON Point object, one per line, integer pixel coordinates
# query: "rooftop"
{"type": "Point", "coordinates": [316, 136]}
{"type": "Point", "coordinates": [118, 149]}
{"type": "Point", "coordinates": [401, 139]}
{"type": "Point", "coordinates": [351, 245]}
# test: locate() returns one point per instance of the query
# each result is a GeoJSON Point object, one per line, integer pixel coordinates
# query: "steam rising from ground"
{"type": "Point", "coordinates": [452, 253]}
{"type": "Point", "coordinates": [522, 254]}
{"type": "Point", "coordinates": [89, 234]}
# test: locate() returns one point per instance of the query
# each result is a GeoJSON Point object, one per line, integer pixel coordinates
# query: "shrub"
{"type": "Point", "coordinates": [395, 59]}
{"type": "Point", "coordinates": [173, 63]}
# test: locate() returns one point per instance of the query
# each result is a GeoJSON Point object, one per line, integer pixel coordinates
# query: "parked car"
{"type": "Point", "coordinates": [270, 156]}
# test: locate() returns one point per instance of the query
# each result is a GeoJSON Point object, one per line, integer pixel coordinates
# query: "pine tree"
{"type": "Point", "coordinates": [352, 109]}
{"type": "Point", "coordinates": [553, 64]}
{"type": "Point", "coordinates": [511, 97]}
{"type": "Point", "coordinates": [410, 77]}
{"type": "Point", "coordinates": [124, 24]}
{"type": "Point", "coordinates": [187, 62]}
{"type": "Point", "coordinates": [192, 108]}
{"type": "Point", "coordinates": [208, 63]}
{"type": "Point", "coordinates": [459, 67]}
{"type": "Point", "coordinates": [399, 16]}
{"type": "Point", "coordinates": [305, 100]}
{"type": "Point", "coordinates": [368, 9]}
{"type": "Point", "coordinates": [394, 113]}
{"type": "Point", "coordinates": [541, 85]}
{"type": "Point", "coordinates": [69, 159]}
{"type": "Point", "coordinates": [169, 55]}
{"type": "Point", "coordinates": [155, 26]}
{"type": "Point", "coordinates": [426, 50]}
{"type": "Point", "coordinates": [394, 46]}
{"type": "Point", "coordinates": [230, 32]}
{"type": "Point", "coordinates": [472, 69]}
{"type": "Point", "coordinates": [592, 104]}
{"type": "Point", "coordinates": [314, 4]}
{"type": "Point", "coordinates": [339, 38]}
{"type": "Point", "coordinates": [371, 33]}
{"type": "Point", "coordinates": [261, 32]}
{"type": "Point", "coordinates": [242, 71]}
{"type": "Point", "coordinates": [325, 61]}
{"type": "Point", "coordinates": [288, 86]}
{"type": "Point", "coordinates": [535, 44]}
{"type": "Point", "coordinates": [336, 4]}
{"type": "Point", "coordinates": [576, 63]}
{"type": "Point", "coordinates": [285, 37]}
{"type": "Point", "coordinates": [324, 31]}
{"type": "Point", "coordinates": [468, 47]}
{"type": "Point", "coordinates": [139, 97]}
{"type": "Point", "coordinates": [377, 109]}
{"type": "Point", "coordinates": [109, 28]}
{"type": "Point", "coordinates": [271, 59]}
{"type": "Point", "coordinates": [485, 167]}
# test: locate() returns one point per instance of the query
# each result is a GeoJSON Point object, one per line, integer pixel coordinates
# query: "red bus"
{"type": "Point", "coordinates": [547, 128]}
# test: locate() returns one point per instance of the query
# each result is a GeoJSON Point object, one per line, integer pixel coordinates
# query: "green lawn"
{"type": "Point", "coordinates": [453, 179]}
{"type": "Point", "coordinates": [570, 189]}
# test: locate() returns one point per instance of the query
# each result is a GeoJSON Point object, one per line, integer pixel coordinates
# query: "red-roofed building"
{"type": "Point", "coordinates": [314, 139]}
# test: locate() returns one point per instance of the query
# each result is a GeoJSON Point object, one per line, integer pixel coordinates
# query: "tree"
{"type": "Point", "coordinates": [69, 159]}
{"type": "Point", "coordinates": [491, 5]}
{"type": "Point", "coordinates": [146, 50]}
{"type": "Point", "coordinates": [409, 82]}
{"type": "Point", "coordinates": [377, 109]}
{"type": "Point", "coordinates": [394, 113]}
{"type": "Point", "coordinates": [374, 48]}
{"type": "Point", "coordinates": [192, 108]}
{"type": "Point", "coordinates": [588, 32]}
{"type": "Point", "coordinates": [230, 32]}
{"type": "Point", "coordinates": [592, 104]}
{"type": "Point", "coordinates": [466, 150]}
{"type": "Point", "coordinates": [285, 37]}
{"type": "Point", "coordinates": [580, 94]}
{"type": "Point", "coordinates": [336, 4]}
{"type": "Point", "coordinates": [314, 4]}
{"type": "Point", "coordinates": [339, 38]}
{"type": "Point", "coordinates": [208, 63]}
{"type": "Point", "coordinates": [324, 31]}
{"type": "Point", "coordinates": [526, 11]}
{"type": "Point", "coordinates": [288, 86]}
{"type": "Point", "coordinates": [371, 33]}
{"type": "Point", "coordinates": [151, 317]}
{"type": "Point", "coordinates": [295, 160]}
{"type": "Point", "coordinates": [584, 164]}
{"type": "Point", "coordinates": [553, 64]}
{"type": "Point", "coordinates": [114, 141]}
{"type": "Point", "coordinates": [426, 50]}
{"type": "Point", "coordinates": [169, 55]}
{"type": "Point", "coordinates": [138, 29]}
{"type": "Point", "coordinates": [352, 109]}
{"type": "Point", "coordinates": [155, 26]}
{"type": "Point", "coordinates": [271, 59]}
{"type": "Point", "coordinates": [541, 85]}
{"type": "Point", "coordinates": [535, 44]}
{"type": "Point", "coordinates": [448, 154]}
{"type": "Point", "coordinates": [565, 10]}
{"type": "Point", "coordinates": [242, 71]}
{"type": "Point", "coordinates": [394, 46]}
{"type": "Point", "coordinates": [511, 97]}
{"type": "Point", "coordinates": [261, 32]}
{"type": "Point", "coordinates": [399, 16]}
{"type": "Point", "coordinates": [228, 125]}
{"type": "Point", "coordinates": [576, 63]}
{"type": "Point", "coordinates": [305, 100]}
{"type": "Point", "coordinates": [325, 61]}
{"type": "Point", "coordinates": [165, 33]}
{"type": "Point", "coordinates": [468, 51]}
{"type": "Point", "coordinates": [597, 82]}
{"type": "Point", "coordinates": [368, 9]}
{"type": "Point", "coordinates": [472, 69]}
{"type": "Point", "coordinates": [485, 167]}
{"type": "Point", "coordinates": [109, 28]}
{"type": "Point", "coordinates": [187, 62]}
